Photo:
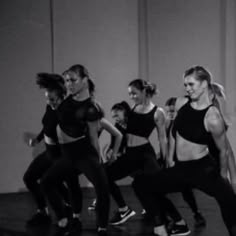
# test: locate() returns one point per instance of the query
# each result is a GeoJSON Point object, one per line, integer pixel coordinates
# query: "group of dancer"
{"type": "Point", "coordinates": [194, 152]}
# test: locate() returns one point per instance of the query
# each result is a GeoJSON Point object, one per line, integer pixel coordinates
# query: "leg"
{"type": "Point", "coordinates": [74, 191]}
{"type": "Point", "coordinates": [214, 185]}
{"type": "Point", "coordinates": [95, 172]}
{"type": "Point", "coordinates": [190, 199]}
{"type": "Point", "coordinates": [151, 190]}
{"type": "Point", "coordinates": [54, 177]}
{"type": "Point", "coordinates": [32, 176]}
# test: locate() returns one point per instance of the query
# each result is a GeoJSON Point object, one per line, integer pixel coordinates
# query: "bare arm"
{"type": "Point", "coordinates": [110, 128]}
{"type": "Point", "coordinates": [215, 125]}
{"type": "Point", "coordinates": [161, 131]}
{"type": "Point", "coordinates": [171, 150]}
{"type": "Point", "coordinates": [231, 165]}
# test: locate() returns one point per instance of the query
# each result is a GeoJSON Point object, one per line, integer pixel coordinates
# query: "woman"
{"type": "Point", "coordinates": [140, 156]}
{"type": "Point", "coordinates": [196, 120]}
{"type": "Point", "coordinates": [55, 91]}
{"type": "Point", "coordinates": [119, 112]}
{"type": "Point", "coordinates": [78, 120]}
{"type": "Point", "coordinates": [188, 194]}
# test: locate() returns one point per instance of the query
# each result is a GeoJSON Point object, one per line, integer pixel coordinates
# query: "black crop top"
{"type": "Point", "coordinates": [141, 124]}
{"type": "Point", "coordinates": [49, 122]}
{"type": "Point", "coordinates": [189, 123]}
{"type": "Point", "coordinates": [73, 116]}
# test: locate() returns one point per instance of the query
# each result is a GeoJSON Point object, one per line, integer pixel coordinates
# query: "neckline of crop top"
{"type": "Point", "coordinates": [189, 123]}
{"type": "Point", "coordinates": [141, 124]}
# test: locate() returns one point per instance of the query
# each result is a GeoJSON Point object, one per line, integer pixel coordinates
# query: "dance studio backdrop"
{"type": "Point", "coordinates": [117, 40]}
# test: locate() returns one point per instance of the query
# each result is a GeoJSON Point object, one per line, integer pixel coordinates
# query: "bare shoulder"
{"type": "Point", "coordinates": [159, 114]}
{"type": "Point", "coordinates": [180, 101]}
{"type": "Point", "coordinates": [214, 119]}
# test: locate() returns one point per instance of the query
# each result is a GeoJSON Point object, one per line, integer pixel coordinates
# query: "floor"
{"type": "Point", "coordinates": [16, 208]}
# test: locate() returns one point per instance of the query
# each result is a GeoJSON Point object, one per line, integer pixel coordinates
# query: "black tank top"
{"type": "Point", "coordinates": [189, 123]}
{"type": "Point", "coordinates": [49, 122]}
{"type": "Point", "coordinates": [141, 124]}
{"type": "Point", "coordinates": [73, 116]}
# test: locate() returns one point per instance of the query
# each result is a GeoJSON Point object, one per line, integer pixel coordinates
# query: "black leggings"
{"type": "Point", "coordinates": [189, 198]}
{"type": "Point", "coordinates": [37, 168]}
{"type": "Point", "coordinates": [83, 158]}
{"type": "Point", "coordinates": [137, 161]}
{"type": "Point", "coordinates": [202, 174]}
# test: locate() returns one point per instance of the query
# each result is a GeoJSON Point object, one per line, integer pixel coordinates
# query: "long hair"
{"type": "Point", "coordinates": [51, 82]}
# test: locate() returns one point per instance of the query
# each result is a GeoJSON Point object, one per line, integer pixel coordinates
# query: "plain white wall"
{"type": "Point", "coordinates": [110, 38]}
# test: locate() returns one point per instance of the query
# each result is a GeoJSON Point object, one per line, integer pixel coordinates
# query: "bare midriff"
{"type": "Point", "coordinates": [134, 140]}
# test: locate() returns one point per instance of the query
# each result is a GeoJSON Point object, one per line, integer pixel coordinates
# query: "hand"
{"type": "Point", "coordinates": [108, 154]}
{"type": "Point", "coordinates": [30, 139]}
{"type": "Point", "coordinates": [112, 157]}
{"type": "Point", "coordinates": [224, 174]}
{"type": "Point", "coordinates": [32, 142]}
{"type": "Point", "coordinates": [169, 163]}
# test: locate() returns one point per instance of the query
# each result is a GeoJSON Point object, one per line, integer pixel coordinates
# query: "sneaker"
{"type": "Point", "coordinates": [92, 207]}
{"type": "Point", "coordinates": [121, 217]}
{"type": "Point", "coordinates": [75, 227]}
{"type": "Point", "coordinates": [102, 233]}
{"type": "Point", "coordinates": [69, 211]}
{"type": "Point", "coordinates": [199, 220]}
{"type": "Point", "coordinates": [39, 218]}
{"type": "Point", "coordinates": [146, 217]}
{"type": "Point", "coordinates": [60, 231]}
{"type": "Point", "coordinates": [180, 230]}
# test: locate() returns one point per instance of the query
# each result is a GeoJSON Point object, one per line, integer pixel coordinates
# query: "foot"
{"type": "Point", "coordinates": [122, 216]}
{"type": "Point", "coordinates": [102, 233]}
{"type": "Point", "coordinates": [92, 207]}
{"type": "Point", "coordinates": [74, 228]}
{"type": "Point", "coordinates": [69, 211]}
{"type": "Point", "coordinates": [39, 218]}
{"type": "Point", "coordinates": [160, 231]}
{"type": "Point", "coordinates": [146, 217]}
{"type": "Point", "coordinates": [179, 230]}
{"type": "Point", "coordinates": [60, 231]}
{"type": "Point", "coordinates": [199, 220]}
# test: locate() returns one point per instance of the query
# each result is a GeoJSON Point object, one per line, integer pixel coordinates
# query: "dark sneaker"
{"type": "Point", "coordinates": [121, 217]}
{"type": "Point", "coordinates": [145, 217]}
{"type": "Point", "coordinates": [74, 228]}
{"type": "Point", "coordinates": [60, 231]}
{"type": "Point", "coordinates": [179, 230]}
{"type": "Point", "coordinates": [199, 220]}
{"type": "Point", "coordinates": [92, 207]}
{"type": "Point", "coordinates": [39, 218]}
{"type": "Point", "coordinates": [102, 233]}
{"type": "Point", "coordinates": [69, 212]}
